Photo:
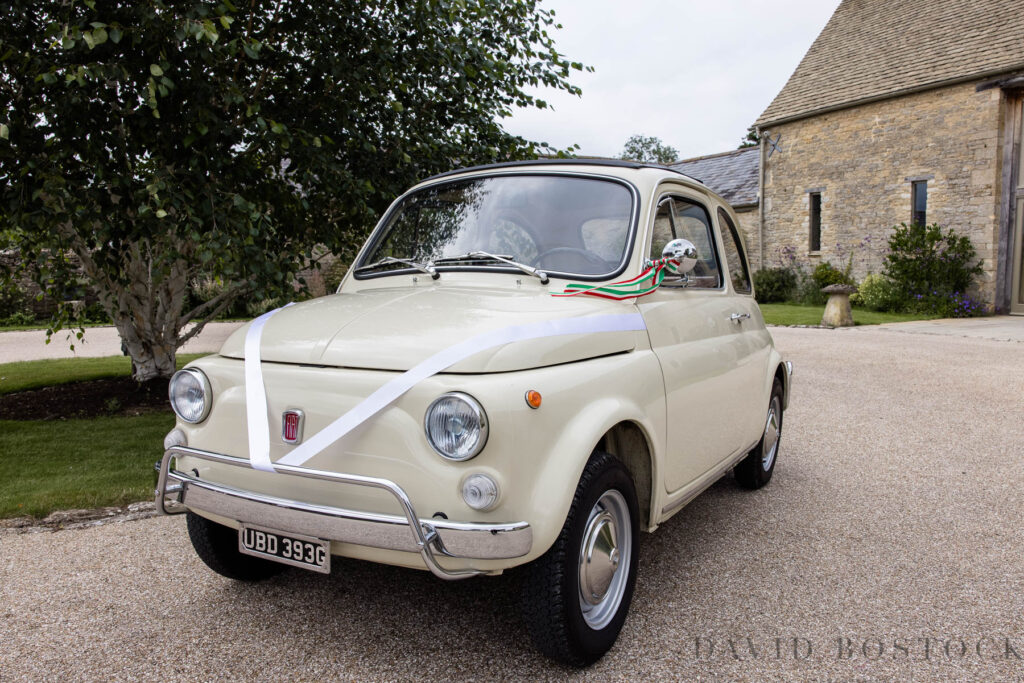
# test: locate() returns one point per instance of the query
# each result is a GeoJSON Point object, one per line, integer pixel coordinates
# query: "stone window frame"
{"type": "Point", "coordinates": [814, 226]}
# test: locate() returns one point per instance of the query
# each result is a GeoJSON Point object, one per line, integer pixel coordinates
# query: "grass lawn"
{"type": "Point", "coordinates": [68, 464]}
{"type": "Point", "coordinates": [34, 374]}
{"type": "Point", "coordinates": [800, 314]}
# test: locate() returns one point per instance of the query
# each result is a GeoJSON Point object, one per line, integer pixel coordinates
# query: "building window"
{"type": "Point", "coordinates": [919, 202]}
{"type": "Point", "coordinates": [814, 241]}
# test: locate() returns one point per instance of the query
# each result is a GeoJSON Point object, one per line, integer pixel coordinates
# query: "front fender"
{"type": "Point", "coordinates": [557, 478]}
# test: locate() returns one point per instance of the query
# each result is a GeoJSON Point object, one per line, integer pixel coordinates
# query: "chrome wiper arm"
{"type": "Point", "coordinates": [529, 270]}
{"type": "Point", "coordinates": [427, 268]}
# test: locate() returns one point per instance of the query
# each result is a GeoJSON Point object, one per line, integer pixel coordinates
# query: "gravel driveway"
{"type": "Point", "coordinates": [888, 546]}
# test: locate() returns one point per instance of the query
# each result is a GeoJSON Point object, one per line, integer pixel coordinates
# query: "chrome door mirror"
{"type": "Point", "coordinates": [682, 252]}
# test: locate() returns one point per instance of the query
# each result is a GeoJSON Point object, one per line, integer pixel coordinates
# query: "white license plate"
{"type": "Point", "coordinates": [299, 551]}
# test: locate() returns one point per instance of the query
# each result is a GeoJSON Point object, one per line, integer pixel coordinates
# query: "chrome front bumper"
{"type": "Point", "coordinates": [431, 538]}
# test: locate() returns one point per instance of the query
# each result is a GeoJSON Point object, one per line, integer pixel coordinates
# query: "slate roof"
{"type": "Point", "coordinates": [874, 49]}
{"type": "Point", "coordinates": [733, 175]}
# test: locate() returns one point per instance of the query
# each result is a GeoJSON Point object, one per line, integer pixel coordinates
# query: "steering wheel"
{"type": "Point", "coordinates": [587, 256]}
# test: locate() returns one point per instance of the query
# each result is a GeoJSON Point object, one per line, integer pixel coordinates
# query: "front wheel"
{"type": "Point", "coordinates": [217, 546]}
{"type": "Point", "coordinates": [756, 469]}
{"type": "Point", "coordinates": [575, 597]}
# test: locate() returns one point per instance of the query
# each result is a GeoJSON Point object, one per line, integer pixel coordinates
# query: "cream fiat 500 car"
{"type": "Point", "coordinates": [528, 364]}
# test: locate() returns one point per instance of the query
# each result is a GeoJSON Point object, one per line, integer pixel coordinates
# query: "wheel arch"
{"type": "Point", "coordinates": [627, 441]}
{"type": "Point", "coordinates": [784, 373]}
{"type": "Point", "coordinates": [619, 427]}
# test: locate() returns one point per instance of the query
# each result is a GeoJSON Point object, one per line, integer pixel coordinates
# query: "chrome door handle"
{"type": "Point", "coordinates": [736, 317]}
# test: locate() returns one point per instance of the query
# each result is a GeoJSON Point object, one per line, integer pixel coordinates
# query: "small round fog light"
{"type": "Point", "coordinates": [479, 491]}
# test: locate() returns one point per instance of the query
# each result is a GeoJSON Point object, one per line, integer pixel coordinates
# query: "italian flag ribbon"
{"type": "Point", "coordinates": [641, 285]}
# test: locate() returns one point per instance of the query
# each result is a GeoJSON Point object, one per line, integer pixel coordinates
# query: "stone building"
{"type": "Point", "coordinates": [901, 111]}
{"type": "Point", "coordinates": [734, 175]}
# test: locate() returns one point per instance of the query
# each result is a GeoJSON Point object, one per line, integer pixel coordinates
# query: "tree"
{"type": "Point", "coordinates": [155, 142]}
{"type": "Point", "coordinates": [650, 150]}
{"type": "Point", "coordinates": [752, 139]}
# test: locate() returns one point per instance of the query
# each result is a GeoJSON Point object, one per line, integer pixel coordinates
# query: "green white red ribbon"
{"type": "Point", "coordinates": [627, 289]}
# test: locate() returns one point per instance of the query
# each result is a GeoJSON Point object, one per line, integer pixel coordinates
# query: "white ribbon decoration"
{"type": "Point", "coordinates": [256, 399]}
{"type": "Point", "coordinates": [256, 396]}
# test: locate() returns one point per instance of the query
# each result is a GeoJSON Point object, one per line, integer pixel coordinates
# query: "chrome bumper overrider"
{"type": "Point", "coordinates": [431, 538]}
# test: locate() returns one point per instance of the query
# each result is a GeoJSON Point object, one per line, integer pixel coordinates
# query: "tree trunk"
{"type": "Point", "coordinates": [151, 361]}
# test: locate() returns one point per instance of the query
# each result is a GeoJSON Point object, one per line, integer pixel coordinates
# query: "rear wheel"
{"type": "Point", "coordinates": [756, 469]}
{"type": "Point", "coordinates": [217, 547]}
{"type": "Point", "coordinates": [575, 597]}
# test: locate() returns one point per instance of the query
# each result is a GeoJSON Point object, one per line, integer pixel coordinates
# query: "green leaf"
{"type": "Point", "coordinates": [87, 37]}
{"type": "Point", "coordinates": [4, 131]}
{"type": "Point", "coordinates": [160, 213]}
{"type": "Point", "coordinates": [115, 35]}
{"type": "Point", "coordinates": [156, 70]}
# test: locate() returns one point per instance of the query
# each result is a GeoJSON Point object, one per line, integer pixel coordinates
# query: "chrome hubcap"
{"type": "Point", "coordinates": [604, 559]}
{"type": "Point", "coordinates": [771, 435]}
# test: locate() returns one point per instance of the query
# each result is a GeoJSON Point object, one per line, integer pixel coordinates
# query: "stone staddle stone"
{"type": "Point", "coordinates": [838, 312]}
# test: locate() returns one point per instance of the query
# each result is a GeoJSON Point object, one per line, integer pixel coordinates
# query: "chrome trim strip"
{"type": "Point", "coordinates": [406, 533]}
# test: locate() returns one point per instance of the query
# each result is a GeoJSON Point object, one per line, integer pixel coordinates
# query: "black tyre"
{"type": "Point", "coordinates": [756, 469]}
{"type": "Point", "coordinates": [575, 597]}
{"type": "Point", "coordinates": [217, 546]}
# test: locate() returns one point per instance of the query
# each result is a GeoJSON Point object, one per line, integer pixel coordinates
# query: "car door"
{"type": "Point", "coordinates": [748, 383]}
{"type": "Point", "coordinates": [692, 332]}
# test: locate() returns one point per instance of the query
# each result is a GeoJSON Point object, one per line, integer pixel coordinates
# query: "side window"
{"type": "Point", "coordinates": [693, 223]}
{"type": "Point", "coordinates": [734, 254]}
{"type": "Point", "coordinates": [678, 217]}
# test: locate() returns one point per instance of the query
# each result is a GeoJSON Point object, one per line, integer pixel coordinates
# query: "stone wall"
{"type": "Point", "coordinates": [748, 227]}
{"type": "Point", "coordinates": [861, 158]}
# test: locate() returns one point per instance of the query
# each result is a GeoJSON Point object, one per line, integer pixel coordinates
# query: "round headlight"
{"type": "Point", "coordinates": [456, 426]}
{"type": "Point", "coordinates": [190, 395]}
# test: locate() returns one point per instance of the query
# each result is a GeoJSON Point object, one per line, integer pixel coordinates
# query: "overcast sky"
{"type": "Point", "coordinates": [694, 74]}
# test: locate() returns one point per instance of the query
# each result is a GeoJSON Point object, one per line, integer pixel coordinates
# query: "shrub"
{"type": "Point", "coordinates": [774, 284]}
{"type": "Point", "coordinates": [924, 261]}
{"type": "Point", "coordinates": [879, 293]}
{"type": "Point", "coordinates": [258, 307]}
{"type": "Point", "coordinates": [12, 299]}
{"type": "Point", "coordinates": [948, 305]}
{"type": "Point", "coordinates": [18, 319]}
{"type": "Point", "coordinates": [207, 288]}
{"type": "Point", "coordinates": [826, 274]}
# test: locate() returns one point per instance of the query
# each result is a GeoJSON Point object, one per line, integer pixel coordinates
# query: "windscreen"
{"type": "Point", "coordinates": [560, 224]}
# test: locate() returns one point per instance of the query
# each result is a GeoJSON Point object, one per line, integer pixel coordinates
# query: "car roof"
{"type": "Point", "coordinates": [610, 163]}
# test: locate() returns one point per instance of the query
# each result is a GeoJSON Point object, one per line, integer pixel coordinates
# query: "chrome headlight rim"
{"type": "Point", "coordinates": [204, 384]}
{"type": "Point", "coordinates": [481, 416]}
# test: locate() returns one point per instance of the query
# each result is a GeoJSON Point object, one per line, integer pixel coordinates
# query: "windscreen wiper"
{"type": "Point", "coordinates": [529, 270]}
{"type": "Point", "coordinates": [427, 268]}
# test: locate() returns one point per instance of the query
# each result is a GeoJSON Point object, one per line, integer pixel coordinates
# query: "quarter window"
{"type": "Point", "coordinates": [734, 254]}
{"type": "Point", "coordinates": [677, 217]}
